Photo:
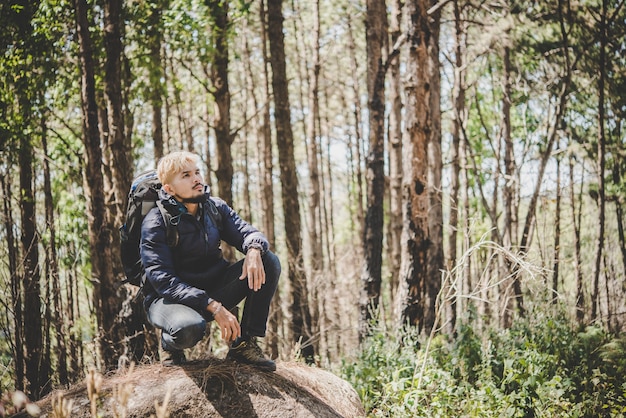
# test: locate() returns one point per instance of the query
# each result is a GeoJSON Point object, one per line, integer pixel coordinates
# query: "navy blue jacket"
{"type": "Point", "coordinates": [185, 273]}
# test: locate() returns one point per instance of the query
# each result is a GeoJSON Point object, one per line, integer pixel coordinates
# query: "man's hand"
{"type": "Point", "coordinates": [229, 326]}
{"type": "Point", "coordinates": [253, 269]}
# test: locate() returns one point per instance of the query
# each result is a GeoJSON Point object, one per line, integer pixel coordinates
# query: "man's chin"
{"type": "Point", "coordinates": [194, 199]}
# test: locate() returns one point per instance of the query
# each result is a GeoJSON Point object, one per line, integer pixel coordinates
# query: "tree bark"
{"type": "Point", "coordinates": [59, 322]}
{"type": "Point", "coordinates": [301, 316]}
{"type": "Point", "coordinates": [459, 117]}
{"type": "Point", "coordinates": [16, 282]}
{"type": "Point", "coordinates": [601, 162]}
{"type": "Point", "coordinates": [267, 191]}
{"type": "Point", "coordinates": [506, 296]}
{"type": "Point", "coordinates": [106, 301]}
{"type": "Point", "coordinates": [313, 150]}
{"type": "Point", "coordinates": [358, 136]}
{"type": "Point", "coordinates": [376, 42]}
{"type": "Point", "coordinates": [155, 41]}
{"type": "Point", "coordinates": [118, 145]}
{"type": "Point", "coordinates": [36, 372]}
{"type": "Point", "coordinates": [418, 309]}
{"type": "Point", "coordinates": [395, 155]}
{"type": "Point", "coordinates": [435, 262]}
{"type": "Point", "coordinates": [221, 95]}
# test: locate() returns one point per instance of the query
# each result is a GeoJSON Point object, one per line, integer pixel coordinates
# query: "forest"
{"type": "Point", "coordinates": [443, 180]}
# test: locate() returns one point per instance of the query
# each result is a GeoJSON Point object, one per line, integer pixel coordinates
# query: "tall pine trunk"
{"type": "Point", "coordinates": [16, 280]}
{"type": "Point", "coordinates": [371, 275]}
{"type": "Point", "coordinates": [267, 190]}
{"type": "Point", "coordinates": [36, 372]}
{"type": "Point", "coordinates": [313, 135]}
{"type": "Point", "coordinates": [221, 95]}
{"type": "Point", "coordinates": [601, 162]}
{"type": "Point", "coordinates": [107, 304]}
{"type": "Point", "coordinates": [300, 314]}
{"type": "Point", "coordinates": [435, 262]}
{"type": "Point", "coordinates": [395, 154]}
{"type": "Point", "coordinates": [417, 309]}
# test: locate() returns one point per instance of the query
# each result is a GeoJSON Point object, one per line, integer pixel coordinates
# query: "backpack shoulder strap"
{"type": "Point", "coordinates": [172, 231]}
{"type": "Point", "coordinates": [214, 213]}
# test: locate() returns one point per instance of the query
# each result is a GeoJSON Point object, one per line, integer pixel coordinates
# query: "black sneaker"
{"type": "Point", "coordinates": [174, 358]}
{"type": "Point", "coordinates": [248, 352]}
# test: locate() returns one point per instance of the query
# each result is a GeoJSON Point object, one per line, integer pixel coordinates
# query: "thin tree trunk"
{"type": "Point", "coordinates": [155, 41]}
{"type": "Point", "coordinates": [16, 283]}
{"type": "Point", "coordinates": [458, 120]}
{"type": "Point", "coordinates": [59, 322]}
{"type": "Point", "coordinates": [371, 275]}
{"type": "Point", "coordinates": [360, 215]}
{"type": "Point", "coordinates": [118, 144]}
{"type": "Point", "coordinates": [557, 233]}
{"type": "Point", "coordinates": [619, 209]}
{"type": "Point", "coordinates": [580, 295]}
{"type": "Point", "coordinates": [313, 150]}
{"type": "Point", "coordinates": [267, 190]}
{"type": "Point", "coordinates": [395, 156]}
{"type": "Point", "coordinates": [601, 162]}
{"type": "Point", "coordinates": [221, 94]}
{"type": "Point", "coordinates": [435, 262]}
{"type": "Point", "coordinates": [36, 372]}
{"type": "Point", "coordinates": [506, 296]}
{"type": "Point", "coordinates": [300, 314]}
{"type": "Point", "coordinates": [106, 301]}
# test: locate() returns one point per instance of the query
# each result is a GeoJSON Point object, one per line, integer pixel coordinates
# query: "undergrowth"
{"type": "Point", "coordinates": [540, 367]}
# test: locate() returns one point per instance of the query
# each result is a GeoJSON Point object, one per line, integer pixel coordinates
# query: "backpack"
{"type": "Point", "coordinates": [142, 197]}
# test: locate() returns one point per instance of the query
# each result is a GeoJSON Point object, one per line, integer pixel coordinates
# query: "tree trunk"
{"type": "Point", "coordinates": [459, 117]}
{"type": "Point", "coordinates": [395, 155]}
{"type": "Point", "coordinates": [155, 41]}
{"type": "Point", "coordinates": [106, 301]}
{"type": "Point", "coordinates": [313, 150]}
{"type": "Point", "coordinates": [59, 322]}
{"type": "Point", "coordinates": [576, 222]}
{"type": "Point", "coordinates": [118, 144]}
{"type": "Point", "coordinates": [300, 314]}
{"type": "Point", "coordinates": [435, 263]}
{"type": "Point", "coordinates": [417, 308]}
{"type": "Point", "coordinates": [376, 42]}
{"type": "Point", "coordinates": [358, 136]}
{"type": "Point", "coordinates": [506, 296]}
{"type": "Point", "coordinates": [557, 232]}
{"type": "Point", "coordinates": [36, 374]}
{"type": "Point", "coordinates": [267, 190]}
{"type": "Point", "coordinates": [221, 95]}
{"type": "Point", "coordinates": [595, 308]}
{"type": "Point", "coordinates": [16, 282]}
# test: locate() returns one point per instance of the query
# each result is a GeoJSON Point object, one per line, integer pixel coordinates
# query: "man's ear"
{"type": "Point", "coordinates": [167, 188]}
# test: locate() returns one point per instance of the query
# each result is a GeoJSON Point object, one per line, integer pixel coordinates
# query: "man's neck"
{"type": "Point", "coordinates": [192, 208]}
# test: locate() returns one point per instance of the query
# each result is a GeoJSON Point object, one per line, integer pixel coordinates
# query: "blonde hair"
{"type": "Point", "coordinates": [174, 163]}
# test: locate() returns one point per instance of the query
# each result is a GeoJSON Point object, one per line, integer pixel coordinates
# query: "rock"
{"type": "Point", "coordinates": [216, 388]}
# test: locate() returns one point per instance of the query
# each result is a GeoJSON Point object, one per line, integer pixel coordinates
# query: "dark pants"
{"type": "Point", "coordinates": [182, 326]}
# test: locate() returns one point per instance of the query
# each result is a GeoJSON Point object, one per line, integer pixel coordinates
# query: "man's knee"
{"type": "Point", "coordinates": [271, 264]}
{"type": "Point", "coordinates": [189, 334]}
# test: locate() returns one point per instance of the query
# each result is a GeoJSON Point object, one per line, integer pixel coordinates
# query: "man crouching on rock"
{"type": "Point", "coordinates": [190, 283]}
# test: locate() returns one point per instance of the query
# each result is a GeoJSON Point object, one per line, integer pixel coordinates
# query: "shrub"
{"type": "Point", "coordinates": [542, 366]}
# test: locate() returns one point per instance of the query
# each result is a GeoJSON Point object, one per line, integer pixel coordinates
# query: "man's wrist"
{"type": "Point", "coordinates": [214, 307]}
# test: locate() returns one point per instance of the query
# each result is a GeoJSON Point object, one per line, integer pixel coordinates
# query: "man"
{"type": "Point", "coordinates": [191, 283]}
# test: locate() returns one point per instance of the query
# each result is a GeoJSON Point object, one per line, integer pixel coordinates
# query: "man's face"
{"type": "Point", "coordinates": [187, 186]}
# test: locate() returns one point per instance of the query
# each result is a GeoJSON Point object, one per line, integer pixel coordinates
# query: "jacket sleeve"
{"type": "Point", "coordinates": [237, 232]}
{"type": "Point", "coordinates": [158, 260]}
